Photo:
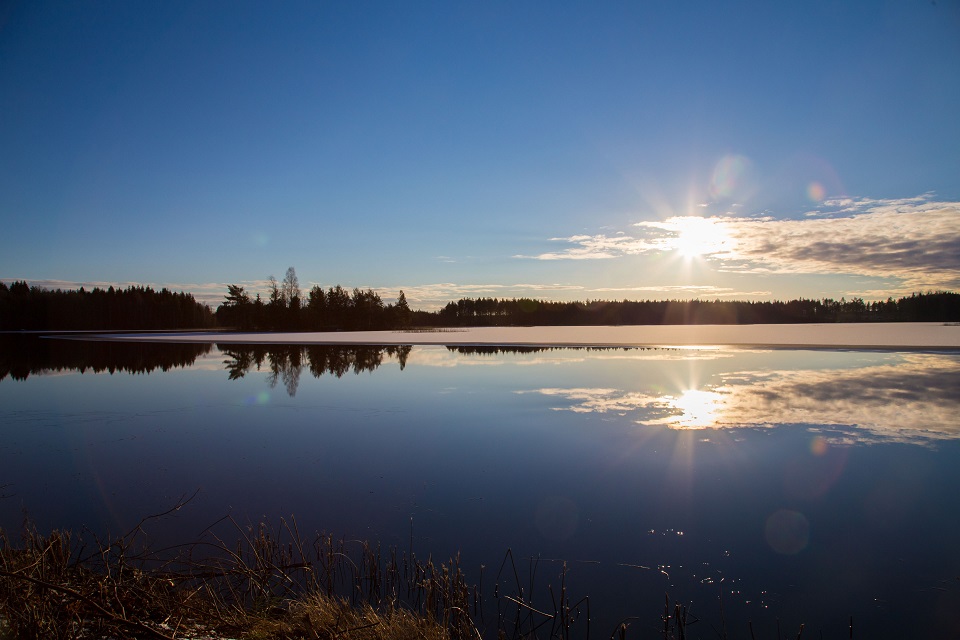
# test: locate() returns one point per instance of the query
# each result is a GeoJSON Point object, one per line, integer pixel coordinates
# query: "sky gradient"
{"type": "Point", "coordinates": [550, 150]}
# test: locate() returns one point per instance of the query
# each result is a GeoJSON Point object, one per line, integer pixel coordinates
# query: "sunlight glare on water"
{"type": "Point", "coordinates": [698, 408]}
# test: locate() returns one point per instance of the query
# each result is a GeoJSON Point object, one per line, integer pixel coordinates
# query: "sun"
{"type": "Point", "coordinates": [698, 237]}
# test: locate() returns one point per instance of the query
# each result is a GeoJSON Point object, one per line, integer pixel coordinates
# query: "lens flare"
{"type": "Point", "coordinates": [261, 399]}
{"type": "Point", "coordinates": [816, 192]}
{"type": "Point", "coordinates": [731, 177]}
{"type": "Point", "coordinates": [818, 446]}
{"type": "Point", "coordinates": [787, 532]}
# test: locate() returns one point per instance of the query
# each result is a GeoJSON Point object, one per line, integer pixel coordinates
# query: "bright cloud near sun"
{"type": "Point", "coordinates": [693, 236]}
{"type": "Point", "coordinates": [599, 247]}
{"type": "Point", "coordinates": [914, 240]}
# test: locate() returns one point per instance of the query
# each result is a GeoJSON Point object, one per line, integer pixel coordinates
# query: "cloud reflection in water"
{"type": "Point", "coordinates": [912, 400]}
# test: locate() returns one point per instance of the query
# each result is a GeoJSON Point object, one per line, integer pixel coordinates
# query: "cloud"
{"type": "Point", "coordinates": [913, 401]}
{"type": "Point", "coordinates": [599, 247]}
{"type": "Point", "coordinates": [915, 241]}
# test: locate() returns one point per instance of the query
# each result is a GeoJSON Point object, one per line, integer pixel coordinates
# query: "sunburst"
{"type": "Point", "coordinates": [697, 237]}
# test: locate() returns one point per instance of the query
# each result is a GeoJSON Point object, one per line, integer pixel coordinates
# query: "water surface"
{"type": "Point", "coordinates": [805, 486]}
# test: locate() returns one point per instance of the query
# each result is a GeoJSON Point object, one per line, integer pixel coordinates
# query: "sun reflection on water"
{"type": "Point", "coordinates": [908, 398]}
{"type": "Point", "coordinates": [698, 408]}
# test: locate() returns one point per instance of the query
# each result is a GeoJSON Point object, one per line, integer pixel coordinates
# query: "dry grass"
{"type": "Point", "coordinates": [270, 583]}
{"type": "Point", "coordinates": [319, 616]}
{"type": "Point", "coordinates": [274, 584]}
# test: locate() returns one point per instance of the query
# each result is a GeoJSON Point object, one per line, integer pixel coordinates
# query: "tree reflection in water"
{"type": "Point", "coordinates": [285, 363]}
{"type": "Point", "coordinates": [23, 355]}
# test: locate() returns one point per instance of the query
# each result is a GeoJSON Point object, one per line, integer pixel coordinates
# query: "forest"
{"type": "Point", "coordinates": [285, 308]}
{"type": "Point", "coordinates": [919, 307]}
{"type": "Point", "coordinates": [336, 309]}
{"type": "Point", "coordinates": [26, 308]}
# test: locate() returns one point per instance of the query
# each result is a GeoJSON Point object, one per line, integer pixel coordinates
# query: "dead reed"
{"type": "Point", "coordinates": [268, 583]}
{"type": "Point", "coordinates": [257, 582]}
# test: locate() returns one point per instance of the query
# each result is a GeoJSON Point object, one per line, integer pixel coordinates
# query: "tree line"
{"type": "Point", "coordinates": [937, 306]}
{"type": "Point", "coordinates": [23, 307]}
{"type": "Point", "coordinates": [334, 309]}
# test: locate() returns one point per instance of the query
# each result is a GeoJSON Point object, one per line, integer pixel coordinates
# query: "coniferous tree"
{"type": "Point", "coordinates": [237, 311]}
{"type": "Point", "coordinates": [23, 307]}
{"type": "Point", "coordinates": [402, 311]}
{"type": "Point", "coordinates": [316, 308]}
{"type": "Point", "coordinates": [339, 307]}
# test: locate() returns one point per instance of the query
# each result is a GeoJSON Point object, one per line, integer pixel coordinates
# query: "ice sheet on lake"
{"type": "Point", "coordinates": [905, 335]}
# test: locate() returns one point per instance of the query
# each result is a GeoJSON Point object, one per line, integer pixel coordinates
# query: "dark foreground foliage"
{"type": "Point", "coordinates": [268, 583]}
{"type": "Point", "coordinates": [264, 584]}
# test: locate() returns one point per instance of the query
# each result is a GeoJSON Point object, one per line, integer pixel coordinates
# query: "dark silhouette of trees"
{"type": "Point", "coordinates": [290, 289]}
{"type": "Point", "coordinates": [920, 307]}
{"type": "Point", "coordinates": [136, 308]}
{"type": "Point", "coordinates": [141, 308]}
{"type": "Point", "coordinates": [237, 311]}
{"type": "Point", "coordinates": [367, 311]}
{"type": "Point", "coordinates": [400, 313]}
{"type": "Point", "coordinates": [339, 307]}
{"type": "Point", "coordinates": [276, 307]}
{"type": "Point", "coordinates": [363, 310]}
{"type": "Point", "coordinates": [316, 308]}
{"type": "Point", "coordinates": [335, 309]}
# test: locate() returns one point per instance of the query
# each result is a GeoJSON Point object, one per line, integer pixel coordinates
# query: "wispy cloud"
{"type": "Point", "coordinates": [913, 240]}
{"type": "Point", "coordinates": [598, 247]}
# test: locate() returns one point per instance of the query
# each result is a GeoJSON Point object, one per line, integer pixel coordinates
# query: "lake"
{"type": "Point", "coordinates": [772, 486]}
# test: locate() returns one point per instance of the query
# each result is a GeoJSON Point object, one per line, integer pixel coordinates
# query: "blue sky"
{"type": "Point", "coordinates": [554, 150]}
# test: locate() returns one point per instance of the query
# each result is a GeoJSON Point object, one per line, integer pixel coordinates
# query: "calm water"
{"type": "Point", "coordinates": [801, 485]}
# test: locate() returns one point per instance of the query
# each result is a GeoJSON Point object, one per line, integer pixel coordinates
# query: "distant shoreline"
{"type": "Point", "coordinates": [894, 335]}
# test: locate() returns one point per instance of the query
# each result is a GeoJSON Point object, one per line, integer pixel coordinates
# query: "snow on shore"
{"type": "Point", "coordinates": [913, 335]}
